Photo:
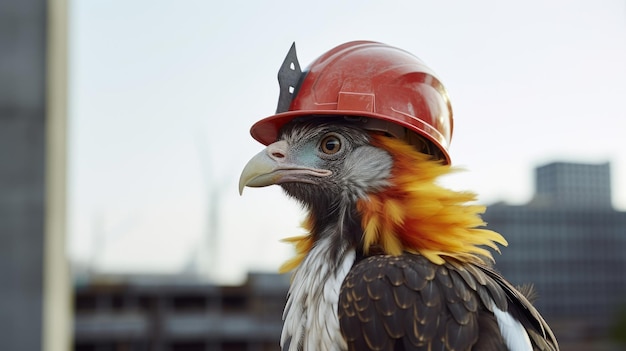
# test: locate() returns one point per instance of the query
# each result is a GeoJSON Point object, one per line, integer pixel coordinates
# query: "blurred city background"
{"type": "Point", "coordinates": [124, 126]}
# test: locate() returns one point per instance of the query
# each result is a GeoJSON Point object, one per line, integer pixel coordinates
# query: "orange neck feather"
{"type": "Point", "coordinates": [416, 215]}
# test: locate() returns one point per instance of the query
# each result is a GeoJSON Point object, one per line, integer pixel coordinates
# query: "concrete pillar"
{"type": "Point", "coordinates": [57, 287]}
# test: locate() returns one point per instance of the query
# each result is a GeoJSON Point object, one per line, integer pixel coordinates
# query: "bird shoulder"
{"type": "Point", "coordinates": [407, 302]}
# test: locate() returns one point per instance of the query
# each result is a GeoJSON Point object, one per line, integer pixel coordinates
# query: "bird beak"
{"type": "Point", "coordinates": [274, 166]}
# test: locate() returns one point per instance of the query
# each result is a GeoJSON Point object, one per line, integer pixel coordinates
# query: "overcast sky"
{"type": "Point", "coordinates": [162, 95]}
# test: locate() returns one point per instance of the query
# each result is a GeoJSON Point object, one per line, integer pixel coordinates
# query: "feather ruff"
{"type": "Point", "coordinates": [417, 215]}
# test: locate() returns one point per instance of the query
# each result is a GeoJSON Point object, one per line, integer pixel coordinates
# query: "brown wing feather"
{"type": "Point", "coordinates": [522, 309]}
{"type": "Point", "coordinates": [408, 303]}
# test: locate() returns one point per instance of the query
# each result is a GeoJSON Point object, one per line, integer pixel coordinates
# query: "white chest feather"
{"type": "Point", "coordinates": [310, 316]}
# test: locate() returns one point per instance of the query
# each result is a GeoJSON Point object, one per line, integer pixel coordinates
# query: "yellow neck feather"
{"type": "Point", "coordinates": [417, 215]}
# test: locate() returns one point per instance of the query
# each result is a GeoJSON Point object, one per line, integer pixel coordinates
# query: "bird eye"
{"type": "Point", "coordinates": [330, 145]}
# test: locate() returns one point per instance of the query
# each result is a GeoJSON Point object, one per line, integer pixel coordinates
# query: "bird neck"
{"type": "Point", "coordinates": [340, 235]}
{"type": "Point", "coordinates": [310, 315]}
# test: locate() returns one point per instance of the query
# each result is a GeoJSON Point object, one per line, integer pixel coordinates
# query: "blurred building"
{"type": "Point", "coordinates": [573, 185]}
{"type": "Point", "coordinates": [35, 311]}
{"type": "Point", "coordinates": [570, 243]}
{"type": "Point", "coordinates": [146, 313]}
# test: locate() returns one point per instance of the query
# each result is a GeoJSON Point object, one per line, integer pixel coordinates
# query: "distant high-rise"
{"type": "Point", "coordinates": [567, 184]}
{"type": "Point", "coordinates": [569, 243]}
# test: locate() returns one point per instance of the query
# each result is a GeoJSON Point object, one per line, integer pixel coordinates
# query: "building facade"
{"type": "Point", "coordinates": [157, 313]}
{"type": "Point", "coordinates": [35, 303]}
{"type": "Point", "coordinates": [570, 244]}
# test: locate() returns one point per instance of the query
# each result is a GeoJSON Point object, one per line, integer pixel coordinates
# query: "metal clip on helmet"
{"type": "Point", "coordinates": [385, 88]}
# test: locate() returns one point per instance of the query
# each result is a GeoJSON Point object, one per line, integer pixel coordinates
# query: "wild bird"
{"type": "Point", "coordinates": [392, 260]}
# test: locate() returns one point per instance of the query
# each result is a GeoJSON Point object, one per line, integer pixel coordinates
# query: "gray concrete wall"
{"type": "Point", "coordinates": [22, 171]}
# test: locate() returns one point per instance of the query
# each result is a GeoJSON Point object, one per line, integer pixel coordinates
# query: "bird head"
{"type": "Point", "coordinates": [380, 191]}
{"type": "Point", "coordinates": [320, 163]}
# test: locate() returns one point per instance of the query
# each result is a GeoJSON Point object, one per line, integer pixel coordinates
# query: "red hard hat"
{"type": "Point", "coordinates": [393, 90]}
